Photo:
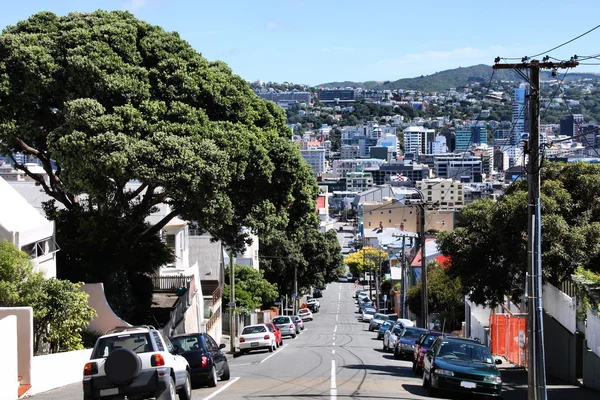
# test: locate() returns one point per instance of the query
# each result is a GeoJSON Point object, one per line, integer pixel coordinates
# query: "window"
{"type": "Point", "coordinates": [170, 239]}
{"type": "Point", "coordinates": [382, 212]}
{"type": "Point", "coordinates": [389, 211]}
{"type": "Point", "coordinates": [159, 344]}
{"type": "Point", "coordinates": [369, 223]}
{"type": "Point", "coordinates": [390, 221]}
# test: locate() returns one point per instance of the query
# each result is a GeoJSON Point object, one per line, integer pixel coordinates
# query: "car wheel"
{"type": "Point", "coordinates": [384, 346]}
{"type": "Point", "coordinates": [226, 374]}
{"type": "Point", "coordinates": [396, 354]}
{"type": "Point", "coordinates": [425, 381]}
{"type": "Point", "coordinates": [122, 366]}
{"type": "Point", "coordinates": [294, 336]}
{"type": "Point", "coordinates": [271, 347]}
{"type": "Point", "coordinates": [414, 366]}
{"type": "Point", "coordinates": [169, 392]}
{"type": "Point", "coordinates": [185, 393]}
{"type": "Point", "coordinates": [212, 379]}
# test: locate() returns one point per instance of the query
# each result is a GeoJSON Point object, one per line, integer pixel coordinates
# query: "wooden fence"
{"type": "Point", "coordinates": [170, 283]}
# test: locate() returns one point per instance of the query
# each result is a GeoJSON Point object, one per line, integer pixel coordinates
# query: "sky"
{"type": "Point", "coordinates": [318, 41]}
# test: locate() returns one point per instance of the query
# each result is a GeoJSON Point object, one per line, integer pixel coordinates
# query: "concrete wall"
{"type": "Point", "coordinates": [55, 370]}
{"type": "Point", "coordinates": [24, 344]}
{"type": "Point", "coordinates": [8, 367]}
{"type": "Point", "coordinates": [561, 350]}
{"type": "Point", "coordinates": [560, 306]}
{"type": "Point", "coordinates": [591, 369]}
{"type": "Point", "coordinates": [106, 319]}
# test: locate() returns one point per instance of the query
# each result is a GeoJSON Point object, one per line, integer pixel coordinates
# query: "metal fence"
{"type": "Point", "coordinates": [170, 282]}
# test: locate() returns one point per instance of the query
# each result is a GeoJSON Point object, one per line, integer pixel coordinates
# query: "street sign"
{"type": "Point", "coordinates": [295, 295]}
{"type": "Point", "coordinates": [231, 304]}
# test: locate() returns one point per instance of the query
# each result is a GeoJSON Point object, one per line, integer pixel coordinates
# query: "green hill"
{"type": "Point", "coordinates": [452, 78]}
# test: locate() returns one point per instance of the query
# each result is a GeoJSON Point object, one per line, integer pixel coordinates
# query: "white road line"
{"type": "Point", "coordinates": [332, 351]}
{"type": "Point", "coordinates": [335, 329]}
{"type": "Point", "coordinates": [333, 390]}
{"type": "Point", "coordinates": [231, 382]}
{"type": "Point", "coordinates": [336, 317]}
{"type": "Point", "coordinates": [339, 295]}
{"type": "Point", "coordinates": [334, 343]}
{"type": "Point", "coordinates": [274, 354]}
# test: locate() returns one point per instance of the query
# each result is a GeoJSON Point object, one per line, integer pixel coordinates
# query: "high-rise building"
{"type": "Point", "coordinates": [520, 114]}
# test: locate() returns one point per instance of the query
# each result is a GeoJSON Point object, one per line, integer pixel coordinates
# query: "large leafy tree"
{"type": "Point", "coordinates": [252, 290]}
{"type": "Point", "coordinates": [103, 100]}
{"type": "Point", "coordinates": [444, 297]}
{"type": "Point", "coordinates": [366, 259]}
{"type": "Point", "coordinates": [488, 248]}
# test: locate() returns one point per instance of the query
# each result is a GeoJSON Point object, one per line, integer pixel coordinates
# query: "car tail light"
{"type": "Point", "coordinates": [267, 337]}
{"type": "Point", "coordinates": [157, 360]}
{"type": "Point", "coordinates": [292, 325]}
{"type": "Point", "coordinates": [204, 361]}
{"type": "Point", "coordinates": [242, 340]}
{"type": "Point", "coordinates": [90, 368]}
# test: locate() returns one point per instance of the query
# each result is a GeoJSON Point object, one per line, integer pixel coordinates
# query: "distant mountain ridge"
{"type": "Point", "coordinates": [452, 78]}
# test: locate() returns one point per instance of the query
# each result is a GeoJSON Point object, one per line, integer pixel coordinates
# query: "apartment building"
{"type": "Point", "coordinates": [445, 194]}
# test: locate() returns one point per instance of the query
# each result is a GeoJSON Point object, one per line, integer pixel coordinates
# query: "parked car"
{"type": "Point", "coordinates": [462, 366]}
{"type": "Point", "coordinates": [299, 323]}
{"type": "Point", "coordinates": [390, 337]}
{"type": "Point", "coordinates": [377, 320]}
{"type": "Point", "coordinates": [313, 304]}
{"type": "Point", "coordinates": [365, 304]}
{"type": "Point", "coordinates": [323, 287]}
{"type": "Point", "coordinates": [317, 293]}
{"type": "Point", "coordinates": [257, 337]}
{"type": "Point", "coordinates": [405, 322]}
{"type": "Point", "coordinates": [207, 361]}
{"type": "Point", "coordinates": [276, 331]}
{"type": "Point", "coordinates": [421, 346]}
{"type": "Point", "coordinates": [132, 361]}
{"type": "Point", "coordinates": [404, 347]}
{"type": "Point", "coordinates": [342, 279]}
{"type": "Point", "coordinates": [286, 324]}
{"type": "Point", "coordinates": [383, 328]}
{"type": "Point", "coordinates": [367, 314]}
{"type": "Point", "coordinates": [305, 314]}
{"type": "Point", "coordinates": [357, 292]}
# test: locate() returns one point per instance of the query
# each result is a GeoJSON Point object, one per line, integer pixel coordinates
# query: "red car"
{"type": "Point", "coordinates": [421, 347]}
{"type": "Point", "coordinates": [278, 338]}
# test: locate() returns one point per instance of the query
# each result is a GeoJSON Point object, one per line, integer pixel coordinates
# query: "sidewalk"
{"type": "Point", "coordinates": [514, 386]}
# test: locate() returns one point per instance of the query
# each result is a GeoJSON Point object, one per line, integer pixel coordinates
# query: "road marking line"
{"type": "Point", "coordinates": [332, 351]}
{"type": "Point", "coordinates": [333, 390]}
{"type": "Point", "coordinates": [231, 382]}
{"type": "Point", "coordinates": [334, 343]}
{"type": "Point", "coordinates": [339, 295]}
{"type": "Point", "coordinates": [274, 354]}
{"type": "Point", "coordinates": [335, 329]}
{"type": "Point", "coordinates": [336, 317]}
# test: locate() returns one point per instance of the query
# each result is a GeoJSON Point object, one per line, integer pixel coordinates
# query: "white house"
{"type": "Point", "coordinates": [22, 225]}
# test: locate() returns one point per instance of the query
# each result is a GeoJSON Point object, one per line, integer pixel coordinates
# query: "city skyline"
{"type": "Point", "coordinates": [310, 42]}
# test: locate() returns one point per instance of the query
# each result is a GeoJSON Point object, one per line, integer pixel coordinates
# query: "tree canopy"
{"type": "Point", "coordinates": [488, 248]}
{"type": "Point", "coordinates": [252, 290]}
{"type": "Point", "coordinates": [123, 117]}
{"type": "Point", "coordinates": [366, 259]}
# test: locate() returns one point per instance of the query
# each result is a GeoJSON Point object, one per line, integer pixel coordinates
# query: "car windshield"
{"type": "Point", "coordinates": [429, 339]}
{"type": "Point", "coordinates": [465, 351]}
{"type": "Point", "coordinates": [412, 333]}
{"type": "Point", "coordinates": [136, 342]}
{"type": "Point", "coordinates": [381, 317]}
{"type": "Point", "coordinates": [370, 312]}
{"type": "Point", "coordinates": [387, 323]}
{"type": "Point", "coordinates": [187, 343]}
{"type": "Point", "coordinates": [397, 330]}
{"type": "Point", "coordinates": [281, 320]}
{"type": "Point", "coordinates": [254, 329]}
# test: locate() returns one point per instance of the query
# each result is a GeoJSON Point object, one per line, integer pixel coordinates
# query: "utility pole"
{"type": "Point", "coordinates": [232, 317]}
{"type": "Point", "coordinates": [403, 283]}
{"type": "Point", "coordinates": [295, 288]}
{"type": "Point", "coordinates": [536, 368]}
{"type": "Point", "coordinates": [425, 305]}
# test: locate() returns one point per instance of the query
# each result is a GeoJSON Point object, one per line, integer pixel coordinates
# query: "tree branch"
{"type": "Point", "coordinates": [154, 229]}
{"type": "Point", "coordinates": [137, 191]}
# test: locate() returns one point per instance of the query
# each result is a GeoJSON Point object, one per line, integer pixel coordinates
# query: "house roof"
{"type": "Point", "coordinates": [21, 223]}
{"type": "Point", "coordinates": [33, 194]}
{"type": "Point", "coordinates": [208, 255]}
{"type": "Point", "coordinates": [431, 253]}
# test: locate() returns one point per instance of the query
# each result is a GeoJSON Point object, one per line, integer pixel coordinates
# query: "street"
{"type": "Point", "coordinates": [335, 357]}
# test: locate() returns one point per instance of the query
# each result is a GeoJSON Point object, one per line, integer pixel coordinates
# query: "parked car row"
{"type": "Point", "coordinates": [446, 362]}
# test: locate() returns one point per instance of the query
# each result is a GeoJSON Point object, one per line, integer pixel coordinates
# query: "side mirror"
{"type": "Point", "coordinates": [222, 346]}
{"type": "Point", "coordinates": [429, 352]}
{"type": "Point", "coordinates": [498, 361]}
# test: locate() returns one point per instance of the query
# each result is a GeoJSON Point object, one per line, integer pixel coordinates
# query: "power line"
{"type": "Point", "coordinates": [565, 43]}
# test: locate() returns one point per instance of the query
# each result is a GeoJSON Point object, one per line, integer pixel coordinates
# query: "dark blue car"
{"type": "Point", "coordinates": [384, 327]}
{"type": "Point", "coordinates": [405, 346]}
{"type": "Point", "coordinates": [207, 361]}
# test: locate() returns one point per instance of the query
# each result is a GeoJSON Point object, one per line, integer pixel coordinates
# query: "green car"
{"type": "Point", "coordinates": [462, 366]}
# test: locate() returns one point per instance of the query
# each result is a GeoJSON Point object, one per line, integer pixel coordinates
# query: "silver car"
{"type": "Point", "coordinates": [377, 320]}
{"type": "Point", "coordinates": [286, 324]}
{"type": "Point", "coordinates": [391, 336]}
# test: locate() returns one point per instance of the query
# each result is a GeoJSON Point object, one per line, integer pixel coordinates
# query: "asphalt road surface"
{"type": "Point", "coordinates": [335, 357]}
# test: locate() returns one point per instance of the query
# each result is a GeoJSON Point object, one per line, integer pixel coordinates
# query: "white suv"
{"type": "Point", "coordinates": [137, 362]}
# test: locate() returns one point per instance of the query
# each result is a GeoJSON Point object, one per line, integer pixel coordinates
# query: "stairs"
{"type": "Point", "coordinates": [23, 389]}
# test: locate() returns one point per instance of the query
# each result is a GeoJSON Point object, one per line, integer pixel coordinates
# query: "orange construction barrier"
{"type": "Point", "coordinates": [508, 335]}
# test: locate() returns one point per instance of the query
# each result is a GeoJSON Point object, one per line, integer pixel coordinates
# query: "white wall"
{"type": "Point", "coordinates": [8, 367]}
{"type": "Point", "coordinates": [55, 370]}
{"type": "Point", "coordinates": [24, 345]}
{"type": "Point", "coordinates": [106, 319]}
{"type": "Point", "coordinates": [592, 332]}
{"type": "Point", "coordinates": [560, 306]}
